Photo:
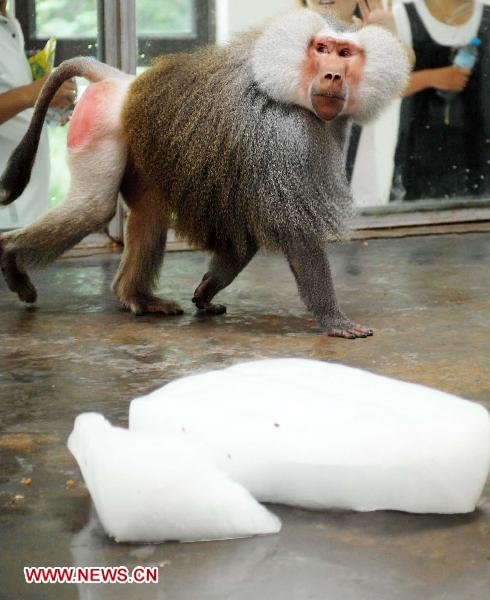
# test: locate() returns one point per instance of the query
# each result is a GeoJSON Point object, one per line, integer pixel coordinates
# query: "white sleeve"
{"type": "Point", "coordinates": [19, 34]}
{"type": "Point", "coordinates": [402, 24]}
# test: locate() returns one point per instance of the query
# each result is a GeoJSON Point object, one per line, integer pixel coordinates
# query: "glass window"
{"type": "Point", "coordinates": [165, 26]}
{"type": "Point", "coordinates": [76, 33]}
{"type": "Point", "coordinates": [92, 27]}
{"type": "Point", "coordinates": [165, 17]}
{"type": "Point", "coordinates": [57, 17]}
{"type": "Point", "coordinates": [59, 180]}
{"type": "Point", "coordinates": [431, 150]}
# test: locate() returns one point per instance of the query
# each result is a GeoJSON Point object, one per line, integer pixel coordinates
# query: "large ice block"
{"type": "Point", "coordinates": [149, 488]}
{"type": "Point", "coordinates": [319, 435]}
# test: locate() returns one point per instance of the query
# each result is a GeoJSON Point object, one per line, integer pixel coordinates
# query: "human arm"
{"type": "Point", "coordinates": [451, 79]}
{"type": "Point", "coordinates": [20, 98]}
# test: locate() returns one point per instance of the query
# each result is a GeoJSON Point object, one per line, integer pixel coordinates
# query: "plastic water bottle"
{"type": "Point", "coordinates": [465, 58]}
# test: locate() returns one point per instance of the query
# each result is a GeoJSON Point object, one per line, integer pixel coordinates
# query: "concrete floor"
{"type": "Point", "coordinates": [428, 300]}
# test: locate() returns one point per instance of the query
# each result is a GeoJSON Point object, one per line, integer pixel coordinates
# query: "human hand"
{"type": "Point", "coordinates": [374, 13]}
{"type": "Point", "coordinates": [450, 79]}
{"type": "Point", "coordinates": [66, 95]}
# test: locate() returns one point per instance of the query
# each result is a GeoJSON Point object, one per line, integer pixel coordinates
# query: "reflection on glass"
{"type": "Point", "coordinates": [57, 17]}
{"type": "Point", "coordinates": [165, 17]}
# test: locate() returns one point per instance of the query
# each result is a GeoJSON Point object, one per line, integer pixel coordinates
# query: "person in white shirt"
{"type": "Point", "coordinates": [357, 12]}
{"type": "Point", "coordinates": [18, 94]}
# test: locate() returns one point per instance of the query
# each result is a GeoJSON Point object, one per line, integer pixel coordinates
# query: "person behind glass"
{"type": "Point", "coordinates": [357, 12]}
{"type": "Point", "coordinates": [18, 94]}
{"type": "Point", "coordinates": [443, 146]}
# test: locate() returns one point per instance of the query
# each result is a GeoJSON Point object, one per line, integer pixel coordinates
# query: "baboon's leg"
{"type": "Point", "coordinates": [222, 271]}
{"type": "Point", "coordinates": [311, 270]}
{"type": "Point", "coordinates": [90, 204]}
{"type": "Point", "coordinates": [144, 248]}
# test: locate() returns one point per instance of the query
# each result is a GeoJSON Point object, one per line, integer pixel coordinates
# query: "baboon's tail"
{"type": "Point", "coordinates": [18, 171]}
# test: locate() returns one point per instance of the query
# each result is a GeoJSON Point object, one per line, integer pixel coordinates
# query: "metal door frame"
{"type": "Point", "coordinates": [118, 46]}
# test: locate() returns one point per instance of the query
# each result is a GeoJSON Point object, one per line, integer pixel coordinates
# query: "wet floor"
{"type": "Point", "coordinates": [428, 300]}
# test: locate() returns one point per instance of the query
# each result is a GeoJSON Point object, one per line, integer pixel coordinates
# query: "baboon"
{"type": "Point", "coordinates": [240, 146]}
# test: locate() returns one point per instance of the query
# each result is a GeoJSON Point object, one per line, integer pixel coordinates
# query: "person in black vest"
{"type": "Point", "coordinates": [443, 148]}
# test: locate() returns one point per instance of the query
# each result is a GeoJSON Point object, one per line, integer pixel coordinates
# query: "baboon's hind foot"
{"type": "Point", "coordinates": [18, 281]}
{"type": "Point", "coordinates": [142, 305]}
{"type": "Point", "coordinates": [345, 328]}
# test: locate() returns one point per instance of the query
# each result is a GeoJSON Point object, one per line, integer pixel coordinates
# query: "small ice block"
{"type": "Point", "coordinates": [149, 488]}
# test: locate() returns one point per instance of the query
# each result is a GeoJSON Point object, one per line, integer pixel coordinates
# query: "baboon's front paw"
{"type": "Point", "coordinates": [142, 306]}
{"type": "Point", "coordinates": [204, 291]}
{"type": "Point", "coordinates": [349, 330]}
{"type": "Point", "coordinates": [210, 308]}
{"type": "Point", "coordinates": [17, 281]}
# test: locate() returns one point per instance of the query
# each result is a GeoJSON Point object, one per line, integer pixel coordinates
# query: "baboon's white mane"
{"type": "Point", "coordinates": [279, 56]}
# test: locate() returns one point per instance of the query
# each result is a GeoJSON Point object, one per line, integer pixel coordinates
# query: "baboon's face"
{"type": "Point", "coordinates": [332, 74]}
